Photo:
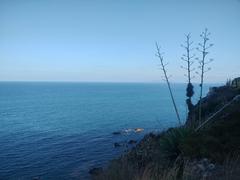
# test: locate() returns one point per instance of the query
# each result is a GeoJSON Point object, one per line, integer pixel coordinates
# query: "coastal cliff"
{"type": "Point", "coordinates": [196, 150]}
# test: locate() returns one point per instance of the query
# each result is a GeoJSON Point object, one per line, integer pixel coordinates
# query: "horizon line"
{"type": "Point", "coordinates": [115, 82]}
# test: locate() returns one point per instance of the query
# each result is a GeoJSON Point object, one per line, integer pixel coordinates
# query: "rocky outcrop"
{"type": "Point", "coordinates": [215, 100]}
{"type": "Point", "coordinates": [184, 152]}
{"type": "Point", "coordinates": [202, 169]}
{"type": "Point", "coordinates": [96, 171]}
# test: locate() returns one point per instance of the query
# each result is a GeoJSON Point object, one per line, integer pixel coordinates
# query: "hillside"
{"type": "Point", "coordinates": [211, 152]}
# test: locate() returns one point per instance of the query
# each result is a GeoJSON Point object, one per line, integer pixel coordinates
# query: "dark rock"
{"type": "Point", "coordinates": [204, 162]}
{"type": "Point", "coordinates": [214, 101]}
{"type": "Point", "coordinates": [151, 135]}
{"type": "Point", "coordinates": [132, 141]}
{"type": "Point", "coordinates": [117, 144]}
{"type": "Point", "coordinates": [116, 133]}
{"type": "Point", "coordinates": [201, 167]}
{"type": "Point", "coordinates": [211, 166]}
{"type": "Point", "coordinates": [36, 178]}
{"type": "Point", "coordinates": [96, 171]}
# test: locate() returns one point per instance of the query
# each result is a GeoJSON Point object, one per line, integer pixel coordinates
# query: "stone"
{"type": "Point", "coordinates": [205, 162]}
{"type": "Point", "coordinates": [201, 167]}
{"type": "Point", "coordinates": [211, 166]}
{"type": "Point", "coordinates": [36, 178]}
{"type": "Point", "coordinates": [132, 141]}
{"type": "Point", "coordinates": [116, 144]}
{"type": "Point", "coordinates": [116, 133]}
{"type": "Point", "coordinates": [96, 171]}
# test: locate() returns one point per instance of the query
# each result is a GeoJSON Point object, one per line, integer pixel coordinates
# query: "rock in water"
{"type": "Point", "coordinates": [137, 130]}
{"type": "Point", "coordinates": [132, 141]}
{"type": "Point", "coordinates": [96, 171]}
{"type": "Point", "coordinates": [116, 144]}
{"type": "Point", "coordinates": [116, 133]}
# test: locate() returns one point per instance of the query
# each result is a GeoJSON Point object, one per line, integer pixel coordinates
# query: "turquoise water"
{"type": "Point", "coordinates": [60, 130]}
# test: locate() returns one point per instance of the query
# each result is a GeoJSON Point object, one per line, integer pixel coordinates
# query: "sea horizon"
{"type": "Point", "coordinates": [110, 82]}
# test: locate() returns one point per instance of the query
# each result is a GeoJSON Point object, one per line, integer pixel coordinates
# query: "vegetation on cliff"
{"type": "Point", "coordinates": [184, 153]}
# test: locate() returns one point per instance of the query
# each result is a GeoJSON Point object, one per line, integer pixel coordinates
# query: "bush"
{"type": "Point", "coordinates": [170, 143]}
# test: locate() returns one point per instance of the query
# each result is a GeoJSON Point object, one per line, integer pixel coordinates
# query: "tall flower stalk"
{"type": "Point", "coordinates": [203, 48]}
{"type": "Point", "coordinates": [188, 58]}
{"type": "Point", "coordinates": [159, 54]}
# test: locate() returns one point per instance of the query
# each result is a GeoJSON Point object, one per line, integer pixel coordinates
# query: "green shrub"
{"type": "Point", "coordinates": [170, 143]}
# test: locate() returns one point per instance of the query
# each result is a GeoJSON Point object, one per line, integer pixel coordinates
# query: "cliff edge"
{"type": "Point", "coordinates": [188, 152]}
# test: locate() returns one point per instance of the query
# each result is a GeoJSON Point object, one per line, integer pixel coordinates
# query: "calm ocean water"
{"type": "Point", "coordinates": [60, 130]}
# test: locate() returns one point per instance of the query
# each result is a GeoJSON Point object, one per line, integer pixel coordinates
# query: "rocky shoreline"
{"type": "Point", "coordinates": [181, 152]}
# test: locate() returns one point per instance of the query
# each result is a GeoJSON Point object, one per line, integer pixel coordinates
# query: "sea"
{"type": "Point", "coordinates": [60, 130]}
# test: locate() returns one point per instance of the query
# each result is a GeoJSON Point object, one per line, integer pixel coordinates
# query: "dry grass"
{"type": "Point", "coordinates": [155, 158]}
{"type": "Point", "coordinates": [231, 167]}
{"type": "Point", "coordinates": [230, 170]}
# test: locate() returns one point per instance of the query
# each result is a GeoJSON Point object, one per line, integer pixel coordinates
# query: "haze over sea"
{"type": "Point", "coordinates": [56, 130]}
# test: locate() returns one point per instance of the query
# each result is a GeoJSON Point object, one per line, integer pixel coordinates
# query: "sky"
{"type": "Point", "coordinates": [114, 40]}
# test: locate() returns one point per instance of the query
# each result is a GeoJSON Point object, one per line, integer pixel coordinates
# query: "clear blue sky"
{"type": "Point", "coordinates": [113, 40]}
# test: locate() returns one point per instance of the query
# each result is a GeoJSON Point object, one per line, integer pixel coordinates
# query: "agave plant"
{"type": "Point", "coordinates": [171, 141]}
